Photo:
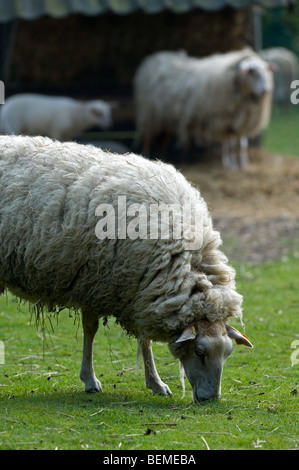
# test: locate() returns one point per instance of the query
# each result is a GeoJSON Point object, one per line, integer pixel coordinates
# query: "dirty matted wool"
{"type": "Point", "coordinates": [50, 254]}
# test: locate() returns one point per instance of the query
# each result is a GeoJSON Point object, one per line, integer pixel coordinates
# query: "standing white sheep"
{"type": "Point", "coordinates": [80, 228]}
{"type": "Point", "coordinates": [60, 118]}
{"type": "Point", "coordinates": [222, 98]}
{"type": "Point", "coordinates": [286, 69]}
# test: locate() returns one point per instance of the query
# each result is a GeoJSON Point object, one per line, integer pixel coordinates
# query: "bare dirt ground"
{"type": "Point", "coordinates": [256, 210]}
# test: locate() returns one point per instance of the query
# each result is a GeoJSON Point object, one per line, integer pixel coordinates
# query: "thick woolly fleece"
{"type": "Point", "coordinates": [205, 99]}
{"type": "Point", "coordinates": [51, 256]}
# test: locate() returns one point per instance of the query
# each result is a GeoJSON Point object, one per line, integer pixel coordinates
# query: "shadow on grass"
{"type": "Point", "coordinates": [78, 401]}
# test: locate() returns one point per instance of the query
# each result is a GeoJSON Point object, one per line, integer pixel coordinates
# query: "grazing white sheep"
{"type": "Point", "coordinates": [222, 98]}
{"type": "Point", "coordinates": [57, 117]}
{"type": "Point", "coordinates": [70, 237]}
{"type": "Point", "coordinates": [286, 69]}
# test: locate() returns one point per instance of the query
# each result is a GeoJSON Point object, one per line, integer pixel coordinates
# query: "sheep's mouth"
{"type": "Point", "coordinates": [201, 399]}
{"type": "Point", "coordinates": [258, 96]}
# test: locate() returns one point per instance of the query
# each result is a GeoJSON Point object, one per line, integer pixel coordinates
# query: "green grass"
{"type": "Point", "coordinates": [282, 135]}
{"type": "Point", "coordinates": [43, 406]}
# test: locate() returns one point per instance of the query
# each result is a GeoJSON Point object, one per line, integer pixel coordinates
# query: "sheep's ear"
{"type": "Point", "coordinates": [273, 67]}
{"type": "Point", "coordinates": [246, 66]}
{"type": "Point", "coordinates": [242, 68]}
{"type": "Point", "coordinates": [238, 337]}
{"type": "Point", "coordinates": [188, 333]}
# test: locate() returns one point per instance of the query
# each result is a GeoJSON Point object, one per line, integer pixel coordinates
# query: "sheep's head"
{"type": "Point", "coordinates": [254, 76]}
{"type": "Point", "coordinates": [100, 113]}
{"type": "Point", "coordinates": [202, 349]}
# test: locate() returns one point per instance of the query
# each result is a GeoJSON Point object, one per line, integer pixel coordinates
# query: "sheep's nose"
{"type": "Point", "coordinates": [199, 399]}
{"type": "Point", "coordinates": [262, 91]}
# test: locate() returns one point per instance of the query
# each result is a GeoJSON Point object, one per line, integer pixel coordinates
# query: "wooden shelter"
{"type": "Point", "coordinates": [91, 48]}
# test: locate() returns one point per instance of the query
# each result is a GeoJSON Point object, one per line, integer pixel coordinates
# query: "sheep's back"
{"type": "Point", "coordinates": [49, 251]}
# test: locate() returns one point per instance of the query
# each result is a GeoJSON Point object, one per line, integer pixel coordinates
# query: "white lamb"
{"type": "Point", "coordinates": [57, 117]}
{"type": "Point", "coordinates": [223, 98]}
{"type": "Point", "coordinates": [70, 236]}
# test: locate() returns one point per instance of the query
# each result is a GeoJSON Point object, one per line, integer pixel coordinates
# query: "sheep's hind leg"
{"type": "Point", "coordinates": [90, 327]}
{"type": "Point", "coordinates": [152, 379]}
{"type": "Point", "coordinates": [243, 152]}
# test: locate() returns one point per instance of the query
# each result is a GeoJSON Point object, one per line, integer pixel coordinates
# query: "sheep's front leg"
{"type": "Point", "coordinates": [90, 327]}
{"type": "Point", "coordinates": [152, 379]}
{"type": "Point", "coordinates": [229, 154]}
{"type": "Point", "coordinates": [243, 152]}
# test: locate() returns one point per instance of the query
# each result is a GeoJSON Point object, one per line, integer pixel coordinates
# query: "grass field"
{"type": "Point", "coordinates": [43, 405]}
{"type": "Point", "coordinates": [282, 135]}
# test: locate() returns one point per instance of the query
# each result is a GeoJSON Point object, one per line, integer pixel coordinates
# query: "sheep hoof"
{"type": "Point", "coordinates": [161, 389]}
{"type": "Point", "coordinates": [93, 386]}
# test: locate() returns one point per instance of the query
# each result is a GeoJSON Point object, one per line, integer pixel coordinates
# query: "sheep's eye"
{"type": "Point", "coordinates": [199, 352]}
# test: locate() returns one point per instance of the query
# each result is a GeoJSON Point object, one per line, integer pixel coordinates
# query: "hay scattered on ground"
{"type": "Point", "coordinates": [257, 210]}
